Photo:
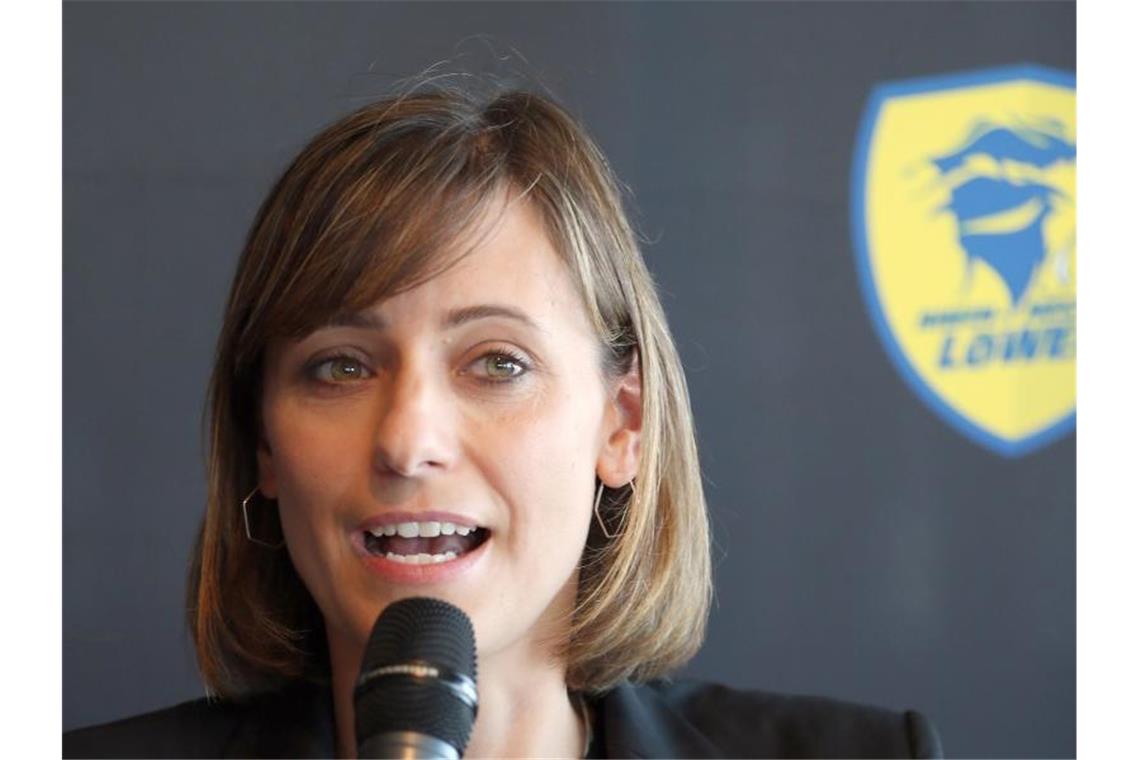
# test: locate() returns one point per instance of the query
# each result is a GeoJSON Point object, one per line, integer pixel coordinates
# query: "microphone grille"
{"type": "Point", "coordinates": [426, 629]}
{"type": "Point", "coordinates": [417, 630]}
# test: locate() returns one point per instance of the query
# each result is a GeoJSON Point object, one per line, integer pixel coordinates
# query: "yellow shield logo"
{"type": "Point", "coordinates": [963, 210]}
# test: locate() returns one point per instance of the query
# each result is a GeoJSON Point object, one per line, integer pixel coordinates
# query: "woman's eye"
{"type": "Point", "coordinates": [501, 367]}
{"type": "Point", "coordinates": [338, 369]}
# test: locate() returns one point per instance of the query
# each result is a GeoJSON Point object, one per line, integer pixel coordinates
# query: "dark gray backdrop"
{"type": "Point", "coordinates": [864, 549]}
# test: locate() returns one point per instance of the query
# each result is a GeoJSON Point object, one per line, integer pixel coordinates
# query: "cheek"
{"type": "Point", "coordinates": [313, 468]}
{"type": "Point", "coordinates": [311, 456]}
{"type": "Point", "coordinates": [546, 468]}
{"type": "Point", "coordinates": [315, 474]}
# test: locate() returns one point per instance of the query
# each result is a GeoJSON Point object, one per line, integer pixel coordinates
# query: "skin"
{"type": "Point", "coordinates": [413, 420]}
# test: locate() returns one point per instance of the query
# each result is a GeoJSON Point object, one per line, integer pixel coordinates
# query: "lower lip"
{"type": "Point", "coordinates": [407, 573]}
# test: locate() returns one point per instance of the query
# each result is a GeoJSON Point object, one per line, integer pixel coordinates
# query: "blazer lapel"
{"type": "Point", "coordinates": [638, 723]}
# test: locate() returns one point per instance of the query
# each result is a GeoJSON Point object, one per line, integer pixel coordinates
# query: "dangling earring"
{"type": "Point", "coordinates": [597, 514]}
{"type": "Point", "coordinates": [245, 519]}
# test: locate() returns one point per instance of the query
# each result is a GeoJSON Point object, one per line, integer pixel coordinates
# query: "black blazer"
{"type": "Point", "coordinates": [659, 719]}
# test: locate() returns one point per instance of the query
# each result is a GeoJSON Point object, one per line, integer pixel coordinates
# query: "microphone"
{"type": "Point", "coordinates": [416, 695]}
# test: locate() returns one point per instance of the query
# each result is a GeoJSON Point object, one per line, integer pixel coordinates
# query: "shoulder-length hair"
{"type": "Point", "coordinates": [365, 211]}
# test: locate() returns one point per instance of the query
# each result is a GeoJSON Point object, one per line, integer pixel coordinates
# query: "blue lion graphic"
{"type": "Point", "coordinates": [978, 200]}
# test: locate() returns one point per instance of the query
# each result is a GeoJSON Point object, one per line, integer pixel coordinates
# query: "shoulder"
{"type": "Point", "coordinates": [198, 728]}
{"type": "Point", "coordinates": [288, 722]}
{"type": "Point", "coordinates": [691, 718]}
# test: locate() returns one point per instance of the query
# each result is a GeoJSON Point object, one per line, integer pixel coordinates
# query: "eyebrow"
{"type": "Point", "coordinates": [370, 321]}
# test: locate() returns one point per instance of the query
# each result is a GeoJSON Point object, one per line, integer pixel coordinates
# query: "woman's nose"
{"type": "Point", "coordinates": [415, 434]}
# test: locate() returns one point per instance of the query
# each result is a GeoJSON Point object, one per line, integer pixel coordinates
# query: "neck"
{"type": "Point", "coordinates": [524, 708]}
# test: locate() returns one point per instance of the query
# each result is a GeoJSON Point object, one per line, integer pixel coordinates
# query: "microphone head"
{"type": "Point", "coordinates": [418, 674]}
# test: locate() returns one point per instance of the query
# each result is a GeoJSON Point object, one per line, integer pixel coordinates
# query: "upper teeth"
{"type": "Point", "coordinates": [429, 529]}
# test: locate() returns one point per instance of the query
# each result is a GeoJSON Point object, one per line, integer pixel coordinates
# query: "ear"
{"type": "Point", "coordinates": [266, 472]}
{"type": "Point", "coordinates": [621, 449]}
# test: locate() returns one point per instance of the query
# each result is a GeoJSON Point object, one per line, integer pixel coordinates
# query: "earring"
{"type": "Point", "coordinates": [245, 519]}
{"type": "Point", "coordinates": [597, 502]}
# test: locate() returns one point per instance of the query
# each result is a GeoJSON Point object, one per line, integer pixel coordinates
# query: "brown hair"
{"type": "Point", "coordinates": [365, 211]}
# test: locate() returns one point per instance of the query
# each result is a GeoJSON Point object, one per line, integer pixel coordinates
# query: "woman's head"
{"type": "Point", "coordinates": [356, 386]}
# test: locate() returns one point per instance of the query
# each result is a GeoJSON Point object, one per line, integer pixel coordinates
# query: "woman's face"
{"type": "Point", "coordinates": [475, 400]}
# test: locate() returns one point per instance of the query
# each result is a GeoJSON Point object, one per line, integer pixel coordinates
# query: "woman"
{"type": "Point", "coordinates": [444, 371]}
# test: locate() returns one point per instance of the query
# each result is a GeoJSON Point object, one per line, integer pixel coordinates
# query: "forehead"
{"type": "Point", "coordinates": [509, 268]}
{"type": "Point", "coordinates": [511, 256]}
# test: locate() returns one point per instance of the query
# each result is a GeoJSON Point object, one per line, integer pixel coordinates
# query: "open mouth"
{"type": "Point", "coordinates": [423, 543]}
